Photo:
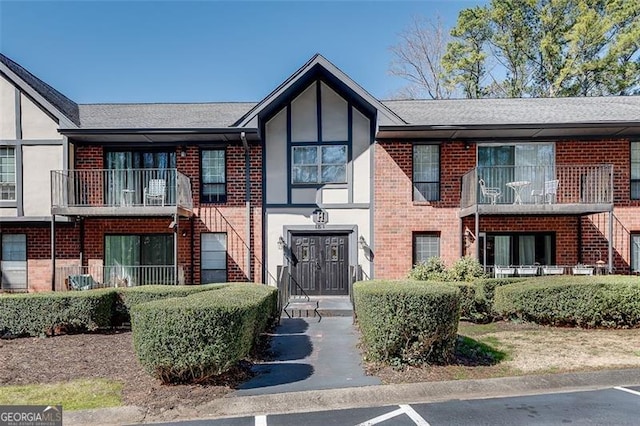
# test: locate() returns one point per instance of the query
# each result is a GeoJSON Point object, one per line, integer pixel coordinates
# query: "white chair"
{"type": "Point", "coordinates": [548, 193]}
{"type": "Point", "coordinates": [489, 192]}
{"type": "Point", "coordinates": [155, 190]}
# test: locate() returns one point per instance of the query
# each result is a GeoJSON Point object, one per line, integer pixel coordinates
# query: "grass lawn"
{"type": "Point", "coordinates": [74, 395]}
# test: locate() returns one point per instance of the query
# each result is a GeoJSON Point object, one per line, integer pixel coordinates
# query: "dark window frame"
{"type": "Point", "coordinates": [226, 251]}
{"type": "Point", "coordinates": [414, 239]}
{"type": "Point", "coordinates": [634, 182]}
{"type": "Point", "coordinates": [213, 198]}
{"type": "Point", "coordinates": [319, 145]}
{"type": "Point", "coordinates": [632, 252]}
{"type": "Point", "coordinates": [414, 182]}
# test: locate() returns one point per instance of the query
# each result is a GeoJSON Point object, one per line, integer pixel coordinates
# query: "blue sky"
{"type": "Point", "coordinates": [204, 51]}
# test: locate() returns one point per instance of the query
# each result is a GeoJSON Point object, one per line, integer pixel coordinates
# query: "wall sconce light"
{"type": "Point", "coordinates": [281, 243]}
{"type": "Point", "coordinates": [467, 145]}
{"type": "Point", "coordinates": [363, 243]}
{"type": "Point", "coordinates": [184, 233]}
{"type": "Point", "coordinates": [183, 151]}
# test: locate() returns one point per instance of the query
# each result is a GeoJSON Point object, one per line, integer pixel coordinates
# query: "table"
{"type": "Point", "coordinates": [517, 189]}
{"type": "Point", "coordinates": [128, 197]}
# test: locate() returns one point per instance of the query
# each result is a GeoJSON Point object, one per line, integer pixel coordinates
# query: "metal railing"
{"type": "Point", "coordinates": [576, 184]}
{"type": "Point", "coordinates": [99, 276]}
{"type": "Point", "coordinates": [120, 188]}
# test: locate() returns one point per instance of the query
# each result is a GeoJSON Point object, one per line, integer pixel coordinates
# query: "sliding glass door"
{"type": "Point", "coordinates": [533, 163]}
{"type": "Point", "coordinates": [129, 173]}
{"type": "Point", "coordinates": [518, 249]}
{"type": "Point", "coordinates": [139, 259]}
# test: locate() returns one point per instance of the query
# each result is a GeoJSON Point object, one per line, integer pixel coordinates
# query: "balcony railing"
{"type": "Point", "coordinates": [538, 188]}
{"type": "Point", "coordinates": [128, 191]}
{"type": "Point", "coordinates": [98, 276]}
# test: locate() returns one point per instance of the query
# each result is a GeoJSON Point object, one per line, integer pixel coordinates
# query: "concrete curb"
{"type": "Point", "coordinates": [368, 396]}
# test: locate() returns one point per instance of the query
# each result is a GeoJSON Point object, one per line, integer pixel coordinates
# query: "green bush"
{"type": "Point", "coordinates": [192, 338]}
{"type": "Point", "coordinates": [407, 322]}
{"type": "Point", "coordinates": [131, 296]}
{"type": "Point", "coordinates": [431, 269]}
{"type": "Point", "coordinates": [465, 269]}
{"type": "Point", "coordinates": [607, 301]}
{"type": "Point", "coordinates": [50, 313]}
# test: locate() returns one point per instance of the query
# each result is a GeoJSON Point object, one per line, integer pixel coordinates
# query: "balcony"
{"type": "Point", "coordinates": [99, 276]}
{"type": "Point", "coordinates": [537, 190]}
{"type": "Point", "coordinates": [129, 192]}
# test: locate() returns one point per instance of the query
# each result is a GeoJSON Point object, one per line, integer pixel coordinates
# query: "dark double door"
{"type": "Point", "coordinates": [320, 263]}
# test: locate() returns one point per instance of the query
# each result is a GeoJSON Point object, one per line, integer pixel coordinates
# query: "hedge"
{"type": "Point", "coordinates": [192, 338]}
{"type": "Point", "coordinates": [40, 314]}
{"type": "Point", "coordinates": [131, 296]}
{"type": "Point", "coordinates": [407, 322]}
{"type": "Point", "coordinates": [600, 301]}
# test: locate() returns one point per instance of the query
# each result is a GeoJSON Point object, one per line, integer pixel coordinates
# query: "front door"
{"type": "Point", "coordinates": [320, 263]}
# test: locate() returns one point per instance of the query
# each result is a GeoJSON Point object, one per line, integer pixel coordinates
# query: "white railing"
{"type": "Point", "coordinates": [120, 188]}
{"type": "Point", "coordinates": [555, 184]}
{"type": "Point", "coordinates": [98, 276]}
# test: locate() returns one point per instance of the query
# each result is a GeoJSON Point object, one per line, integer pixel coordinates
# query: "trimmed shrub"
{"type": "Point", "coordinates": [131, 296]}
{"type": "Point", "coordinates": [192, 338]}
{"type": "Point", "coordinates": [465, 269]}
{"type": "Point", "coordinates": [407, 322]}
{"type": "Point", "coordinates": [431, 269]}
{"type": "Point", "coordinates": [600, 301]}
{"type": "Point", "coordinates": [40, 314]}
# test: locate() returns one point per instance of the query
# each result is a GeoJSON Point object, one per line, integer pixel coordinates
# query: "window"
{"type": "Point", "coordinates": [213, 255]}
{"type": "Point", "coordinates": [426, 172]}
{"type": "Point", "coordinates": [7, 173]}
{"type": "Point", "coordinates": [214, 177]}
{"type": "Point", "coordinates": [425, 246]}
{"type": "Point", "coordinates": [530, 162]}
{"type": "Point", "coordinates": [518, 249]}
{"type": "Point", "coordinates": [13, 261]}
{"type": "Point", "coordinates": [139, 259]}
{"type": "Point", "coordinates": [635, 170]}
{"type": "Point", "coordinates": [635, 252]}
{"type": "Point", "coordinates": [319, 164]}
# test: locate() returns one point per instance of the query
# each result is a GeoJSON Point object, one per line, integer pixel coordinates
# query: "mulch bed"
{"type": "Point", "coordinates": [106, 355]}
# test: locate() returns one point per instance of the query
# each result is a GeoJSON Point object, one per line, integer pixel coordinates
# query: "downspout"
{"type": "Point", "coordinates": [176, 230]}
{"type": "Point", "coordinates": [192, 251]}
{"type": "Point", "coordinates": [247, 200]}
{"type": "Point", "coordinates": [53, 252]}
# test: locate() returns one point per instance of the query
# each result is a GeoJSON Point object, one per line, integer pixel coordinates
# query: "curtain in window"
{"type": "Point", "coordinates": [426, 172]}
{"type": "Point", "coordinates": [502, 251]}
{"type": "Point", "coordinates": [527, 249]}
{"type": "Point", "coordinates": [13, 261]}
{"type": "Point", "coordinates": [121, 179]}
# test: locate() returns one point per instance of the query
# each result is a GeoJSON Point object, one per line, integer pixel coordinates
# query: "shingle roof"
{"type": "Point", "coordinates": [63, 104]}
{"type": "Point", "coordinates": [517, 111]}
{"type": "Point", "coordinates": [140, 116]}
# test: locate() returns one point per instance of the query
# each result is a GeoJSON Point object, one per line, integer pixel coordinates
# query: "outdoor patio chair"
{"type": "Point", "coordinates": [548, 193]}
{"type": "Point", "coordinates": [81, 282]}
{"type": "Point", "coordinates": [155, 191]}
{"type": "Point", "coordinates": [489, 192]}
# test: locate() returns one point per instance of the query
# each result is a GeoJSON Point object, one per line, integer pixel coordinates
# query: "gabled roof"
{"type": "Point", "coordinates": [318, 61]}
{"type": "Point", "coordinates": [59, 101]}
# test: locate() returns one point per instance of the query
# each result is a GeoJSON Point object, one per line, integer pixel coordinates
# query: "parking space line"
{"type": "Point", "coordinates": [261, 420]}
{"type": "Point", "coordinates": [382, 418]}
{"type": "Point", "coordinates": [620, 388]}
{"type": "Point", "coordinates": [413, 415]}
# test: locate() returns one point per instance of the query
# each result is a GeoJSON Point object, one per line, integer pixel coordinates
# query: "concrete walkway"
{"type": "Point", "coordinates": [310, 355]}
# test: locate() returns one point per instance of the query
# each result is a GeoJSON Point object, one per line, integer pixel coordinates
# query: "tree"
{"type": "Point", "coordinates": [465, 60]}
{"type": "Point", "coordinates": [546, 48]}
{"type": "Point", "coordinates": [417, 58]}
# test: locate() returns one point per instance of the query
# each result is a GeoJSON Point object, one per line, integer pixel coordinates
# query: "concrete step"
{"type": "Point", "coordinates": [330, 306]}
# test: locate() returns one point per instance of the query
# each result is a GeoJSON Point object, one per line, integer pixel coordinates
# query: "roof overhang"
{"type": "Point", "coordinates": [474, 132]}
{"type": "Point", "coordinates": [161, 136]}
